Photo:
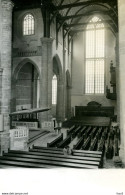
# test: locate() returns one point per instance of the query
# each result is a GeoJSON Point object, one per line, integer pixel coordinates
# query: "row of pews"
{"type": "Point", "coordinates": [91, 138]}
{"type": "Point", "coordinates": [43, 157]}
{"type": "Point", "coordinates": [92, 143]}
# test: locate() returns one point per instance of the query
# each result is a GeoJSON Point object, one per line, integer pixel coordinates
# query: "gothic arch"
{"type": "Point", "coordinates": [31, 82]}
{"type": "Point", "coordinates": [21, 64]}
{"type": "Point", "coordinates": [57, 68]}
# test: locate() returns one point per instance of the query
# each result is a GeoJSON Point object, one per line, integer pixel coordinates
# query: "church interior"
{"type": "Point", "coordinates": [62, 88]}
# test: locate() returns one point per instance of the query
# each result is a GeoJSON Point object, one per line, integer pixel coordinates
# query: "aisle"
{"type": "Point", "coordinates": [42, 141]}
{"type": "Point", "coordinates": [73, 142]}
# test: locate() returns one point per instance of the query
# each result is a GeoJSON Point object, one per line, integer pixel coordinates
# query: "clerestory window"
{"type": "Point", "coordinates": [28, 25]}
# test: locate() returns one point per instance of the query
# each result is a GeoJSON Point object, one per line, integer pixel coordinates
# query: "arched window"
{"type": "Point", "coordinates": [28, 25]}
{"type": "Point", "coordinates": [95, 53]}
{"type": "Point", "coordinates": [54, 90]}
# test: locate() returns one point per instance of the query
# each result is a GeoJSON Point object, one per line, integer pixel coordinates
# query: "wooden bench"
{"type": "Point", "coordinates": [41, 163]}
{"type": "Point", "coordinates": [61, 155]}
{"type": "Point", "coordinates": [45, 148]}
{"type": "Point", "coordinates": [13, 163]}
{"type": "Point", "coordinates": [68, 160]}
{"type": "Point", "coordinates": [75, 132]}
{"type": "Point", "coordinates": [87, 132]}
{"type": "Point", "coordinates": [86, 144]}
{"type": "Point", "coordinates": [93, 145]}
{"type": "Point", "coordinates": [79, 143]}
{"type": "Point", "coordinates": [55, 142]}
{"type": "Point", "coordinates": [65, 142]}
{"type": "Point", "coordinates": [94, 130]}
{"type": "Point", "coordinates": [71, 129]}
{"type": "Point", "coordinates": [60, 151]}
{"type": "Point", "coordinates": [82, 131]}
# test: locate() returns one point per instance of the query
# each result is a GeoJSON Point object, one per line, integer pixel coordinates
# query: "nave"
{"type": "Point", "coordinates": [92, 147]}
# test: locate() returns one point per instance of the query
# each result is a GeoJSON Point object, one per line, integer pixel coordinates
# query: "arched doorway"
{"type": "Point", "coordinates": [26, 86]}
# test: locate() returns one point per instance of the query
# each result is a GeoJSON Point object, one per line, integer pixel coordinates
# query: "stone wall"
{"type": "Point", "coordinates": [5, 58]}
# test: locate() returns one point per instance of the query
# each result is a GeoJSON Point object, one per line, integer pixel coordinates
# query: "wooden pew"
{"type": "Point", "coordinates": [14, 163]}
{"type": "Point", "coordinates": [75, 132]}
{"type": "Point", "coordinates": [64, 142]}
{"type": "Point", "coordinates": [55, 142]}
{"type": "Point", "coordinates": [116, 146]}
{"type": "Point", "coordinates": [86, 144]}
{"type": "Point", "coordinates": [93, 145]}
{"type": "Point", "coordinates": [82, 132]}
{"type": "Point", "coordinates": [93, 133]}
{"type": "Point", "coordinates": [61, 155]}
{"type": "Point", "coordinates": [49, 162]}
{"type": "Point", "coordinates": [79, 143]}
{"type": "Point", "coordinates": [87, 132]}
{"type": "Point", "coordinates": [71, 129]}
{"type": "Point", "coordinates": [68, 160]}
{"type": "Point", "coordinates": [45, 148]}
{"type": "Point", "coordinates": [60, 151]}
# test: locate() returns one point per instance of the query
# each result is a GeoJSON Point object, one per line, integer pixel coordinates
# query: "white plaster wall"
{"type": "Point", "coordinates": [79, 97]}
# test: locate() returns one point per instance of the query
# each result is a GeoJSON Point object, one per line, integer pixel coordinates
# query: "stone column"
{"type": "Point", "coordinates": [60, 103]}
{"type": "Point", "coordinates": [117, 78]}
{"type": "Point", "coordinates": [46, 82]}
{"type": "Point", "coordinates": [69, 102]}
{"type": "Point", "coordinates": [121, 12]}
{"type": "Point", "coordinates": [1, 71]}
{"type": "Point", "coordinates": [6, 59]}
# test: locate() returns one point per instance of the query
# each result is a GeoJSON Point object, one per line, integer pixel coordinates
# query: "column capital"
{"type": "Point", "coordinates": [46, 40]}
{"type": "Point", "coordinates": [7, 4]}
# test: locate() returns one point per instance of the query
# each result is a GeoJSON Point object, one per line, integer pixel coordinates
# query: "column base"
{"type": "Point", "coordinates": [122, 154]}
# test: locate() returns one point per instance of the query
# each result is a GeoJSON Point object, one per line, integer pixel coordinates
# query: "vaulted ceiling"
{"type": "Point", "coordinates": [72, 14]}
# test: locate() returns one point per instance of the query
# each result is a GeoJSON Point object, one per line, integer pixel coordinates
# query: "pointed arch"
{"type": "Point", "coordinates": [21, 64]}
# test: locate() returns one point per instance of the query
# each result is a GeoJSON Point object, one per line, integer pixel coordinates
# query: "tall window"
{"type": "Point", "coordinates": [54, 89]}
{"type": "Point", "coordinates": [95, 47]}
{"type": "Point", "coordinates": [28, 25]}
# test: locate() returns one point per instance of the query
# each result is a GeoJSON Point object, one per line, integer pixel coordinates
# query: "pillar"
{"type": "Point", "coordinates": [69, 102]}
{"type": "Point", "coordinates": [6, 60]}
{"type": "Point", "coordinates": [46, 82]}
{"type": "Point", "coordinates": [121, 12]}
{"type": "Point", "coordinates": [60, 104]}
{"type": "Point", "coordinates": [117, 79]}
{"type": "Point", "coordinates": [1, 71]}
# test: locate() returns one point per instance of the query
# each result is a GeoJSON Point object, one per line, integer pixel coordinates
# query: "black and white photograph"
{"type": "Point", "coordinates": [62, 97]}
